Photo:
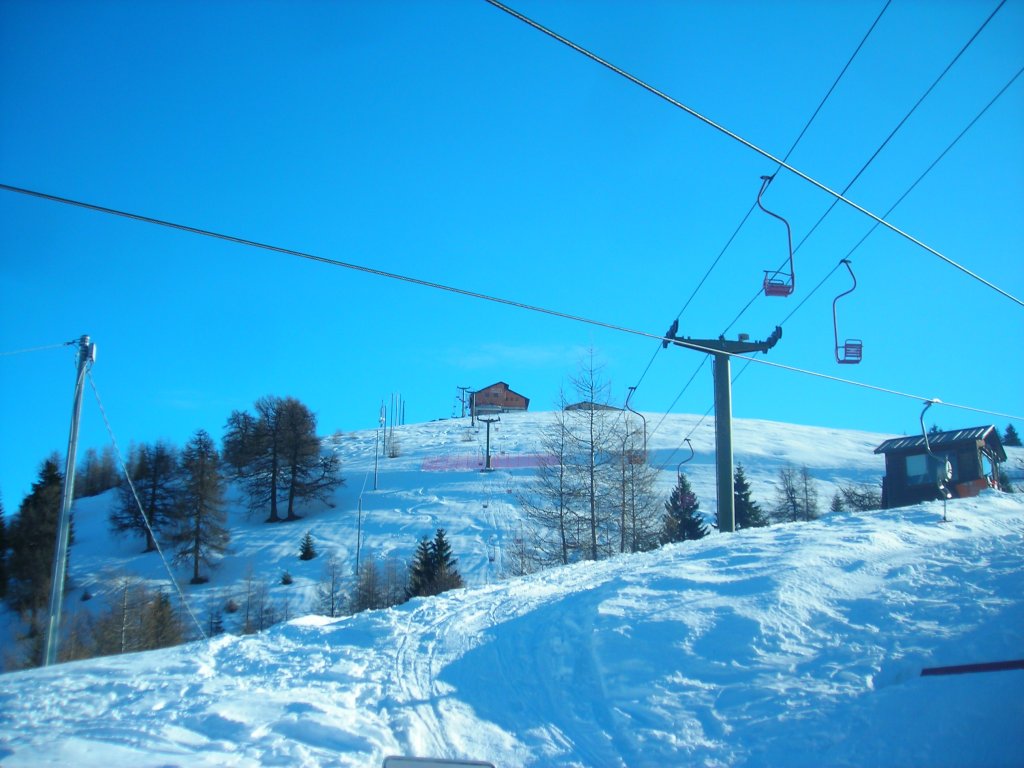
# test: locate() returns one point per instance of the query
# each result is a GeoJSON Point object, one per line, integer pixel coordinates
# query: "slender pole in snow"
{"type": "Point", "coordinates": [488, 422]}
{"type": "Point", "coordinates": [86, 354]}
{"type": "Point", "coordinates": [359, 534]}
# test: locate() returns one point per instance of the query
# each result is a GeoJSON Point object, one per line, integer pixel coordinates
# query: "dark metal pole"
{"type": "Point", "coordinates": [86, 354]}
{"type": "Point", "coordinates": [359, 534]}
{"type": "Point", "coordinates": [723, 445]}
{"type": "Point", "coordinates": [722, 349]}
{"type": "Point", "coordinates": [488, 422]}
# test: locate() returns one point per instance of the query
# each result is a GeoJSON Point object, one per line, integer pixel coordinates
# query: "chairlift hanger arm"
{"type": "Point", "coordinates": [724, 345]}
{"type": "Point", "coordinates": [853, 349]}
{"type": "Point", "coordinates": [642, 418]}
{"type": "Point", "coordinates": [679, 468]}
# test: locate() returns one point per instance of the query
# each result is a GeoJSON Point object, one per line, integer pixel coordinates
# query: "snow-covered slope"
{"type": "Point", "coordinates": [435, 482]}
{"type": "Point", "coordinates": [801, 644]}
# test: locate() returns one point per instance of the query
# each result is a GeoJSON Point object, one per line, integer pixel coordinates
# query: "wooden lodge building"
{"type": "Point", "coordinates": [497, 398]}
{"type": "Point", "coordinates": [912, 475]}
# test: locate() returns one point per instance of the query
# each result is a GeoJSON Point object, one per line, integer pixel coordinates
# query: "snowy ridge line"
{"type": "Point", "coordinates": [466, 461]}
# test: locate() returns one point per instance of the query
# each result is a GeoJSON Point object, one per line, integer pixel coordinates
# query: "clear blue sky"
{"type": "Point", "coordinates": [450, 142]}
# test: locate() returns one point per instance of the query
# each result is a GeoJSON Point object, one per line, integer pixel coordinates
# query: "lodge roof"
{"type": "Point", "coordinates": [939, 440]}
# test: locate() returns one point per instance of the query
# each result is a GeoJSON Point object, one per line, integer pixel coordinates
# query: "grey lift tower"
{"type": "Point", "coordinates": [722, 350]}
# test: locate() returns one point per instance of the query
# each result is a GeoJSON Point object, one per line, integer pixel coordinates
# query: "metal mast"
{"type": "Point", "coordinates": [86, 356]}
{"type": "Point", "coordinates": [722, 350]}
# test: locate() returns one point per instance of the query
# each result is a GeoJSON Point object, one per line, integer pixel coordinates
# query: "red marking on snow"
{"type": "Point", "coordinates": [469, 462]}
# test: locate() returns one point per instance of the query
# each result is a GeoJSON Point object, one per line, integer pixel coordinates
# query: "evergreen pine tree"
{"type": "Point", "coordinates": [748, 512]}
{"type": "Point", "coordinates": [201, 520]}
{"type": "Point", "coordinates": [434, 569]}
{"type": "Point", "coordinates": [446, 569]}
{"type": "Point", "coordinates": [3, 552]}
{"type": "Point", "coordinates": [1010, 437]}
{"type": "Point", "coordinates": [837, 502]}
{"type": "Point", "coordinates": [31, 538]}
{"type": "Point", "coordinates": [154, 471]}
{"type": "Point", "coordinates": [422, 570]}
{"type": "Point", "coordinates": [682, 521]}
{"type": "Point", "coordinates": [306, 549]}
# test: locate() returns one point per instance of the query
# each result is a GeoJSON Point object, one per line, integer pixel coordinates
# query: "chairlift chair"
{"type": "Point", "coordinates": [777, 282]}
{"type": "Point", "coordinates": [852, 350]}
{"type": "Point", "coordinates": [679, 468]}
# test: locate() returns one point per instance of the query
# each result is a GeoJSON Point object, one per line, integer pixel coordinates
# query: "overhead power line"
{"type": "Point", "coordinates": [750, 145]}
{"type": "Point", "coordinates": [427, 284]}
{"type": "Point", "coordinates": [38, 349]}
{"type": "Point", "coordinates": [318, 259]}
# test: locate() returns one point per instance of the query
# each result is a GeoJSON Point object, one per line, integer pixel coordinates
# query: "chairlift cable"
{"type": "Point", "coordinates": [891, 208]}
{"type": "Point", "coordinates": [873, 227]}
{"type": "Point", "coordinates": [939, 158]}
{"type": "Point", "coordinates": [899, 125]}
{"type": "Point", "coordinates": [686, 386]}
{"type": "Point", "coordinates": [753, 206]}
{"type": "Point", "coordinates": [747, 364]}
{"type": "Point", "coordinates": [750, 145]}
{"type": "Point", "coordinates": [438, 286]}
{"type": "Point", "coordinates": [884, 143]}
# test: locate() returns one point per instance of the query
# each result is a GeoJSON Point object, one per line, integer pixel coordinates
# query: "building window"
{"type": "Point", "coordinates": [922, 469]}
{"type": "Point", "coordinates": [917, 470]}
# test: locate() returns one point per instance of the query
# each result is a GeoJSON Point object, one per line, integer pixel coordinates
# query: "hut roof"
{"type": "Point", "coordinates": [940, 440]}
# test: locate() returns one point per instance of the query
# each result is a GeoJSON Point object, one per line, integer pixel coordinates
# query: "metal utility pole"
{"type": "Point", "coordinates": [462, 398]}
{"type": "Point", "coordinates": [376, 441]}
{"type": "Point", "coordinates": [359, 534]}
{"type": "Point", "coordinates": [488, 422]}
{"type": "Point", "coordinates": [86, 356]}
{"type": "Point", "coordinates": [391, 439]}
{"type": "Point", "coordinates": [722, 350]}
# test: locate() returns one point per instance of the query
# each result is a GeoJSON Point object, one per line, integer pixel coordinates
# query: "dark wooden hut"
{"type": "Point", "coordinates": [913, 474]}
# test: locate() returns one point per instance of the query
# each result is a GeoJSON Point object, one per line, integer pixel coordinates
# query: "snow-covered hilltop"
{"type": "Point", "coordinates": [799, 644]}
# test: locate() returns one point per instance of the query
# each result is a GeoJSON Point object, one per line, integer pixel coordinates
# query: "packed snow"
{"type": "Point", "coordinates": [799, 644]}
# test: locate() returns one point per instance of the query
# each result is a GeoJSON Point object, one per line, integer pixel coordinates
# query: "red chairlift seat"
{"type": "Point", "coordinates": [775, 286]}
